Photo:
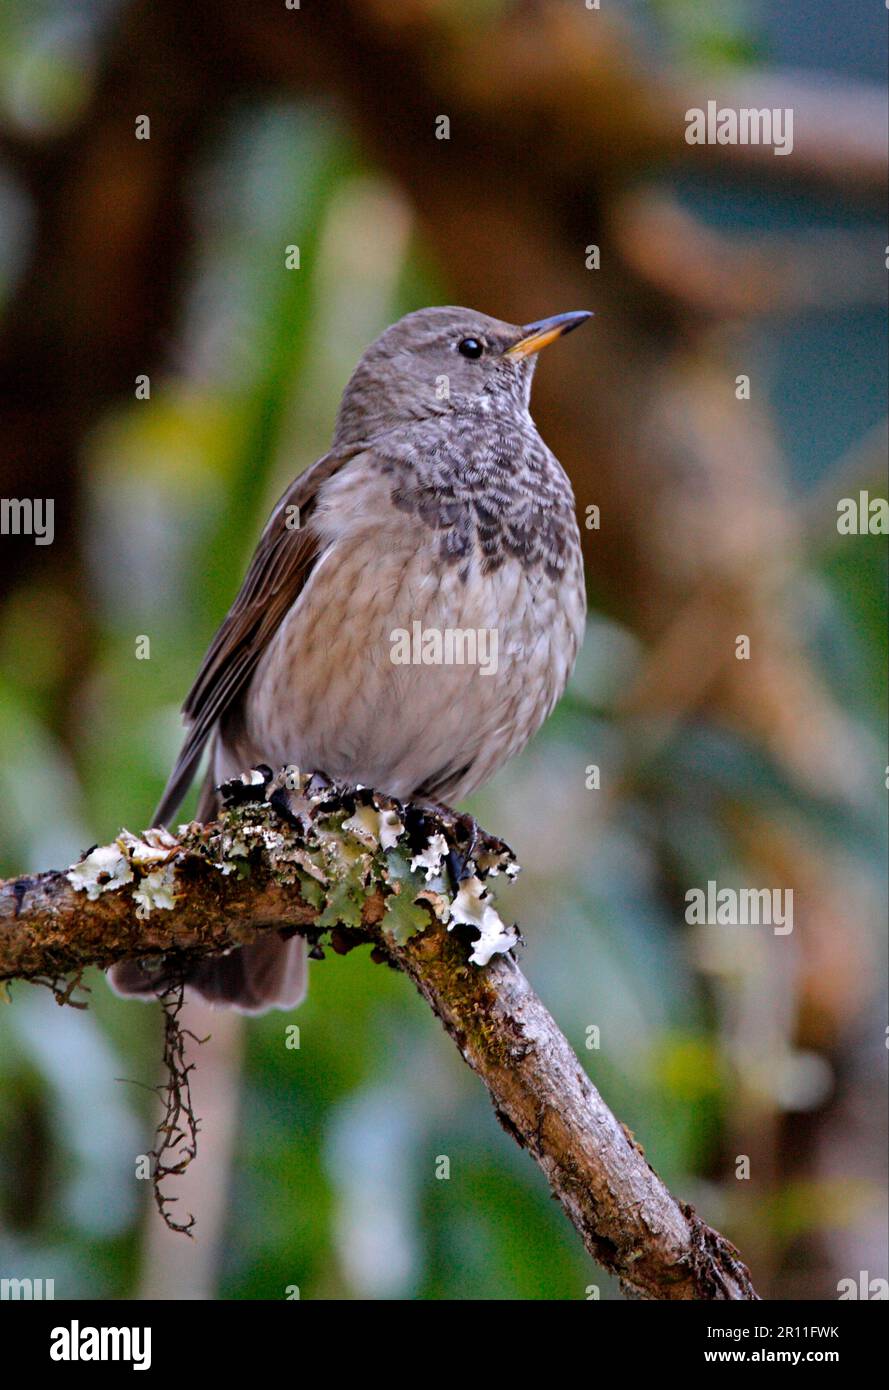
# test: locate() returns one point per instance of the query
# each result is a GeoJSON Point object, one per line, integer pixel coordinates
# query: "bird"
{"type": "Point", "coordinates": [438, 510]}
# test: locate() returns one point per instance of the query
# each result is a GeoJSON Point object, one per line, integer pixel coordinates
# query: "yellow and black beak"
{"type": "Point", "coordinates": [539, 335]}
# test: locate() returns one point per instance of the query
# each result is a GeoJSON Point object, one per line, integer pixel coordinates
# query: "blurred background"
{"type": "Point", "coordinates": [125, 258]}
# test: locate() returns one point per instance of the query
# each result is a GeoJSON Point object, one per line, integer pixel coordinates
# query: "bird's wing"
{"type": "Point", "coordinates": [278, 571]}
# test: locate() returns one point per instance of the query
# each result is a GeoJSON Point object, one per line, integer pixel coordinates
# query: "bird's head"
{"type": "Point", "coordinates": [440, 361]}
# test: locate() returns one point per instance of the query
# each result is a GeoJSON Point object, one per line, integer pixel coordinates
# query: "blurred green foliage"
{"type": "Point", "coordinates": [333, 1182]}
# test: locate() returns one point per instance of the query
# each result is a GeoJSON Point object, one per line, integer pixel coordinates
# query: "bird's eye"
{"type": "Point", "coordinates": [470, 347]}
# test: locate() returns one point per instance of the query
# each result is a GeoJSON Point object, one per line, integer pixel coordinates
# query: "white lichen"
{"type": "Point", "coordinates": [473, 907]}
{"type": "Point", "coordinates": [155, 846]}
{"type": "Point", "coordinates": [374, 827]}
{"type": "Point", "coordinates": [156, 889]}
{"type": "Point", "coordinates": [230, 848]}
{"type": "Point", "coordinates": [493, 862]}
{"type": "Point", "coordinates": [253, 778]}
{"type": "Point", "coordinates": [390, 829]}
{"type": "Point", "coordinates": [432, 857]}
{"type": "Point", "coordinates": [292, 854]}
{"type": "Point", "coordinates": [104, 868]}
{"type": "Point", "coordinates": [146, 860]}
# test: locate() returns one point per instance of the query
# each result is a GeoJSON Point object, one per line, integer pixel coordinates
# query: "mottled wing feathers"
{"type": "Point", "coordinates": [281, 564]}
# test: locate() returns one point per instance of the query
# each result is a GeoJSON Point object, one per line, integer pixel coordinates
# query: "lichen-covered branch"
{"type": "Point", "coordinates": [297, 853]}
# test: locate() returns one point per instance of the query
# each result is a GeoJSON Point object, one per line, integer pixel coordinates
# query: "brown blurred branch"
{"type": "Point", "coordinates": [708, 271]}
{"type": "Point", "coordinates": [607, 106]}
{"type": "Point", "coordinates": [628, 1221]}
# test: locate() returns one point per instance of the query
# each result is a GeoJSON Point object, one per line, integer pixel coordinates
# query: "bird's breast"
{"type": "Point", "coordinates": [404, 672]}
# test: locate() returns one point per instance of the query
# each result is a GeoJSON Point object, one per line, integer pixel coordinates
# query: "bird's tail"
{"type": "Point", "coordinates": [270, 974]}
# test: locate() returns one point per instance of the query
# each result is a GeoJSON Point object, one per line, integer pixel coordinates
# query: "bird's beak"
{"type": "Point", "coordinates": [539, 335]}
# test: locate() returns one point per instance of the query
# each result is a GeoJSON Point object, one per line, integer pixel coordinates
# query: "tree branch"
{"type": "Point", "coordinates": [300, 854]}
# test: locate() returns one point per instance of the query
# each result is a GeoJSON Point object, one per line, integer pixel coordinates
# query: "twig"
{"type": "Point", "coordinates": [177, 1133]}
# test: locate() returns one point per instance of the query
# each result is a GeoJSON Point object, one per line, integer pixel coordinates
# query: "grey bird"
{"type": "Point", "coordinates": [438, 510]}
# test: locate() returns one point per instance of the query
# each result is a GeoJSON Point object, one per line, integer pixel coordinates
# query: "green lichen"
{"type": "Point", "coordinates": [310, 889]}
{"type": "Point", "coordinates": [404, 915]}
{"type": "Point", "coordinates": [336, 845]}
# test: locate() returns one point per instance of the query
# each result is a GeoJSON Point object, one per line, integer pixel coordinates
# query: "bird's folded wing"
{"type": "Point", "coordinates": [280, 567]}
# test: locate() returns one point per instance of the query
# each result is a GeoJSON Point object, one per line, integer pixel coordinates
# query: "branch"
{"type": "Point", "coordinates": [298, 853]}
{"type": "Point", "coordinates": [708, 271]}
